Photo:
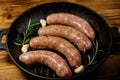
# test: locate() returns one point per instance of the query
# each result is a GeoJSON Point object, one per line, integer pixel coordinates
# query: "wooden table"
{"type": "Point", "coordinates": [108, 9]}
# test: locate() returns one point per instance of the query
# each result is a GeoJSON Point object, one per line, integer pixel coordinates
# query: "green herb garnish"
{"type": "Point", "coordinates": [95, 50]}
{"type": "Point", "coordinates": [26, 34]}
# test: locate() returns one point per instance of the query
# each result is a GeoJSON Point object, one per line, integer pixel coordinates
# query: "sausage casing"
{"type": "Point", "coordinates": [48, 58]}
{"type": "Point", "coordinates": [59, 44]}
{"type": "Point", "coordinates": [74, 35]}
{"type": "Point", "coordinates": [73, 21]}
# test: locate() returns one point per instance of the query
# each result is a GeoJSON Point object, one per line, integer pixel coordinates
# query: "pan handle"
{"type": "Point", "coordinates": [3, 46]}
{"type": "Point", "coordinates": [115, 34]}
{"type": "Point", "coordinates": [116, 39]}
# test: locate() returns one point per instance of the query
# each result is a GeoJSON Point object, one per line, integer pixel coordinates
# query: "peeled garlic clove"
{"type": "Point", "coordinates": [25, 48]}
{"type": "Point", "coordinates": [43, 22]}
{"type": "Point", "coordinates": [79, 69]}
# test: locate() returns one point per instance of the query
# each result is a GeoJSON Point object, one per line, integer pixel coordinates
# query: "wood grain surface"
{"type": "Point", "coordinates": [108, 9]}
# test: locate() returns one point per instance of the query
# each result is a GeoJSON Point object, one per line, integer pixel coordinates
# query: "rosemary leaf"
{"type": "Point", "coordinates": [94, 63]}
{"type": "Point", "coordinates": [18, 44]}
{"type": "Point", "coordinates": [26, 41]}
{"type": "Point", "coordinates": [35, 24]}
{"type": "Point", "coordinates": [100, 50]}
{"type": "Point", "coordinates": [89, 59]}
{"type": "Point", "coordinates": [19, 40]}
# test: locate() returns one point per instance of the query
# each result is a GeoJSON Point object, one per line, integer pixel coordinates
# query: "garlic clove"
{"type": "Point", "coordinates": [43, 22]}
{"type": "Point", "coordinates": [79, 69]}
{"type": "Point", "coordinates": [25, 48]}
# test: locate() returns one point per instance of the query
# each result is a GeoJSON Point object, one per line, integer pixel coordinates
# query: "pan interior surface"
{"type": "Point", "coordinates": [41, 11]}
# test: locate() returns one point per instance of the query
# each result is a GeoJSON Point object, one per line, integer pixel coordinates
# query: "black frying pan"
{"type": "Point", "coordinates": [101, 28]}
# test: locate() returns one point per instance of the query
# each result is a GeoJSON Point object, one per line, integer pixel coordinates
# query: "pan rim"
{"type": "Point", "coordinates": [33, 74]}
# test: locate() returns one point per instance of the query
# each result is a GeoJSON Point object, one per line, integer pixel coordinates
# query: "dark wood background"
{"type": "Point", "coordinates": [108, 9]}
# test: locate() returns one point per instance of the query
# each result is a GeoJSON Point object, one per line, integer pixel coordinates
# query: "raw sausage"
{"type": "Point", "coordinates": [48, 58]}
{"type": "Point", "coordinates": [59, 44]}
{"type": "Point", "coordinates": [73, 21]}
{"type": "Point", "coordinates": [51, 42]}
{"type": "Point", "coordinates": [74, 35]}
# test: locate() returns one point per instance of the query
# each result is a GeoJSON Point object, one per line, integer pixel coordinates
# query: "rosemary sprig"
{"type": "Point", "coordinates": [25, 35]}
{"type": "Point", "coordinates": [95, 50]}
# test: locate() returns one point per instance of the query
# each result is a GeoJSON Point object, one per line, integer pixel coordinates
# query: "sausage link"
{"type": "Point", "coordinates": [74, 35]}
{"type": "Point", "coordinates": [48, 58]}
{"type": "Point", "coordinates": [73, 21]}
{"type": "Point", "coordinates": [51, 42]}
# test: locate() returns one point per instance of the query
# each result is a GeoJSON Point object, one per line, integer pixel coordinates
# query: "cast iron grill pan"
{"type": "Point", "coordinates": [41, 11]}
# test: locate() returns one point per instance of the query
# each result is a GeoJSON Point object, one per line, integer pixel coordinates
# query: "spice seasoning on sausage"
{"type": "Point", "coordinates": [74, 35]}
{"type": "Point", "coordinates": [66, 48]}
{"type": "Point", "coordinates": [73, 21]}
{"type": "Point", "coordinates": [48, 58]}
